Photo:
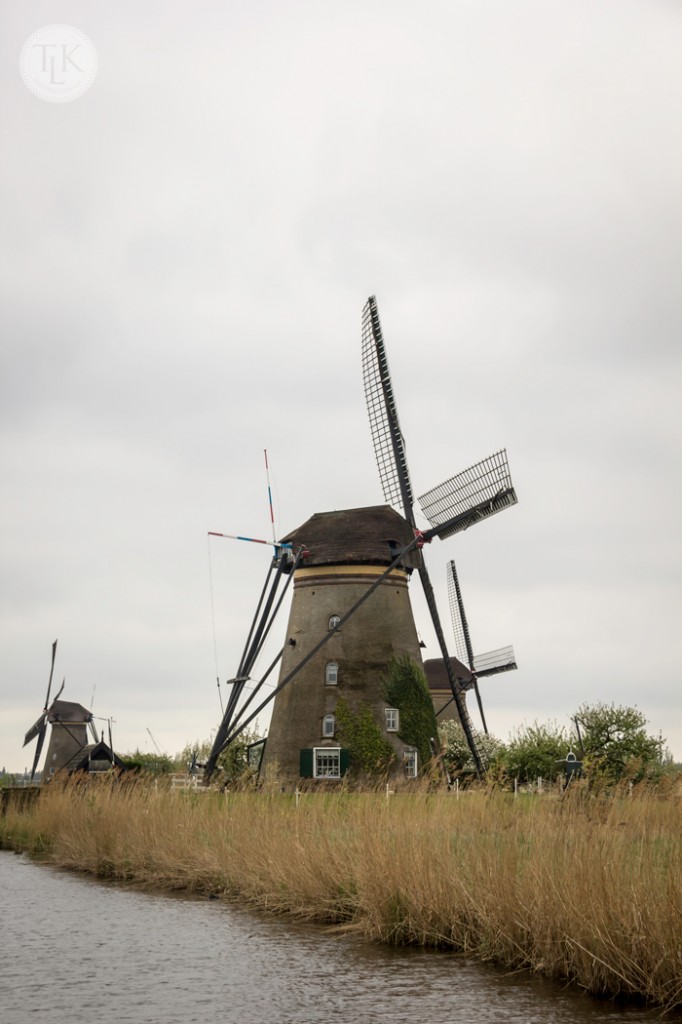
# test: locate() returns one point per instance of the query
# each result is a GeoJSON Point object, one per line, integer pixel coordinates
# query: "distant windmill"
{"type": "Point", "coordinates": [500, 660]}
{"type": "Point", "coordinates": [68, 748]}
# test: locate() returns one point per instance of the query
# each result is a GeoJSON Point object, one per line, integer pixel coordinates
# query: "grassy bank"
{"type": "Point", "coordinates": [583, 888]}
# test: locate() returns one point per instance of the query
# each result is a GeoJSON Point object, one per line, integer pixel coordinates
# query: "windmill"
{"type": "Point", "coordinates": [338, 641]}
{"type": "Point", "coordinates": [500, 660]}
{"type": "Point", "coordinates": [68, 737]}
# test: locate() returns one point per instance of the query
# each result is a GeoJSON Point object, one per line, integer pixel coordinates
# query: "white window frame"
{"type": "Point", "coordinates": [329, 726]}
{"type": "Point", "coordinates": [411, 763]}
{"type": "Point", "coordinates": [392, 719]}
{"type": "Point", "coordinates": [331, 755]}
{"type": "Point", "coordinates": [331, 673]}
{"type": "Point", "coordinates": [333, 621]}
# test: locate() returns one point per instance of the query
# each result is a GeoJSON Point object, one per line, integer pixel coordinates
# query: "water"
{"type": "Point", "coordinates": [73, 950]}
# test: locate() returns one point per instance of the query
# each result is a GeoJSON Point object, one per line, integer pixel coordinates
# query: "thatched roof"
{"type": "Point", "coordinates": [437, 677]}
{"type": "Point", "coordinates": [354, 536]}
{"type": "Point", "coordinates": [68, 711]}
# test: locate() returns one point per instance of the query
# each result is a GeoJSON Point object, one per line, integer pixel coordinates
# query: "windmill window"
{"type": "Point", "coordinates": [328, 725]}
{"type": "Point", "coordinates": [410, 763]}
{"type": "Point", "coordinates": [331, 673]}
{"type": "Point", "coordinates": [334, 621]}
{"type": "Point", "coordinates": [327, 763]}
{"type": "Point", "coordinates": [392, 719]}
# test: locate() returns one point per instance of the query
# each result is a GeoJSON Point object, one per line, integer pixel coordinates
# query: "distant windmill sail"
{"type": "Point", "coordinates": [500, 660]}
{"type": "Point", "coordinates": [460, 625]}
{"type": "Point", "coordinates": [39, 728]}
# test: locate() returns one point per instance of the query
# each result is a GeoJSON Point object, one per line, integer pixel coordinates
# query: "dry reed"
{"type": "Point", "coordinates": [579, 888]}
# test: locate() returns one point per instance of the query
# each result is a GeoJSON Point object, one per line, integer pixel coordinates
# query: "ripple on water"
{"type": "Point", "coordinates": [73, 948]}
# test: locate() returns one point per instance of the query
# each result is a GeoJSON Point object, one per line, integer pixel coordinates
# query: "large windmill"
{"type": "Point", "coordinates": [350, 612]}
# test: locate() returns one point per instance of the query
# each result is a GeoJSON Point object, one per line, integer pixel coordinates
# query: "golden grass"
{"type": "Point", "coordinates": [581, 888]}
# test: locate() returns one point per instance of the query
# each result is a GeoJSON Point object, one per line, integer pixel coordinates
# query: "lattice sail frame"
{"type": "Point", "coordinates": [502, 659]}
{"type": "Point", "coordinates": [483, 490]}
{"type": "Point", "coordinates": [460, 627]}
{"type": "Point", "coordinates": [389, 446]}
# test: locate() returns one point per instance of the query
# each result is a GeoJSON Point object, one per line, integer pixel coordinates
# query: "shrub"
{"type": "Point", "coordinates": [616, 744]}
{"type": "Point", "coordinates": [457, 755]}
{"type": "Point", "coordinates": [535, 751]}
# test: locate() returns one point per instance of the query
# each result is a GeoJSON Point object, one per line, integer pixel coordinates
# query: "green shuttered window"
{"type": "Point", "coordinates": [323, 762]}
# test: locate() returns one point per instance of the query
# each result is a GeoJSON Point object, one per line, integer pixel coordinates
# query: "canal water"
{"type": "Point", "coordinates": [74, 950]}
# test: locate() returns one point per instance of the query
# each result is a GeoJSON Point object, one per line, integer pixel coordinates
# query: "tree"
{"type": "Point", "coordinates": [616, 744]}
{"type": "Point", "coordinates": [457, 755]}
{"type": "Point", "coordinates": [535, 751]}
{"type": "Point", "coordinates": [149, 764]}
{"type": "Point", "coordinates": [233, 762]}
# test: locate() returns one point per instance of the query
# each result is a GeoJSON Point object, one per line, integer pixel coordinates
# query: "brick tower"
{"type": "Point", "coordinates": [348, 552]}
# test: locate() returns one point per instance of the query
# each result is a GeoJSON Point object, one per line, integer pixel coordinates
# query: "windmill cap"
{"type": "Point", "coordinates": [68, 711]}
{"type": "Point", "coordinates": [355, 536]}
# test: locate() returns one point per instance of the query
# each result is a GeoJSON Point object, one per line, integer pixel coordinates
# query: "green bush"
{"type": "Point", "coordinates": [150, 764]}
{"type": "Point", "coordinates": [616, 745]}
{"type": "Point", "coordinates": [535, 751]}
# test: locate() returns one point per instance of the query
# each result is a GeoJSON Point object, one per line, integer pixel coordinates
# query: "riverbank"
{"type": "Point", "coordinates": [583, 888]}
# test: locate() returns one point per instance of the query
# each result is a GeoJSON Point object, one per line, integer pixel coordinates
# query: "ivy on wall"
{"type": "Point", "coordinates": [369, 752]}
{"type": "Point", "coordinates": [406, 689]}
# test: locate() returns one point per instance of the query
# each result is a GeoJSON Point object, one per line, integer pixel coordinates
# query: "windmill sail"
{"type": "Point", "coordinates": [481, 491]}
{"type": "Point", "coordinates": [389, 449]}
{"type": "Point", "coordinates": [460, 626]}
{"type": "Point", "coordinates": [39, 728]}
{"type": "Point", "coordinates": [502, 659]}
{"type": "Point", "coordinates": [389, 446]}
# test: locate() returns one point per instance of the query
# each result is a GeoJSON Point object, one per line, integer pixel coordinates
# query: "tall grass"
{"type": "Point", "coordinates": [581, 888]}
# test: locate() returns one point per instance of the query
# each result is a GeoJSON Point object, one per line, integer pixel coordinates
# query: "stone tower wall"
{"type": "Point", "coordinates": [66, 740]}
{"type": "Point", "coordinates": [381, 629]}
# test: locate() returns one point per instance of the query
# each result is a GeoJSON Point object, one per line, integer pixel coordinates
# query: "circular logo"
{"type": "Point", "coordinates": [58, 63]}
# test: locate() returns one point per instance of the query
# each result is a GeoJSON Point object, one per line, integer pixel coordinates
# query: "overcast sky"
{"type": "Point", "coordinates": [186, 251]}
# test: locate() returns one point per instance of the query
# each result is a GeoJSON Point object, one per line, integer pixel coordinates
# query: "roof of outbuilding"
{"type": "Point", "coordinates": [355, 536]}
{"type": "Point", "coordinates": [92, 752]}
{"type": "Point", "coordinates": [437, 677]}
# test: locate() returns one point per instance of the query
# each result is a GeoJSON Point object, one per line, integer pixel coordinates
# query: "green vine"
{"type": "Point", "coordinates": [368, 751]}
{"type": "Point", "coordinates": [406, 689]}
